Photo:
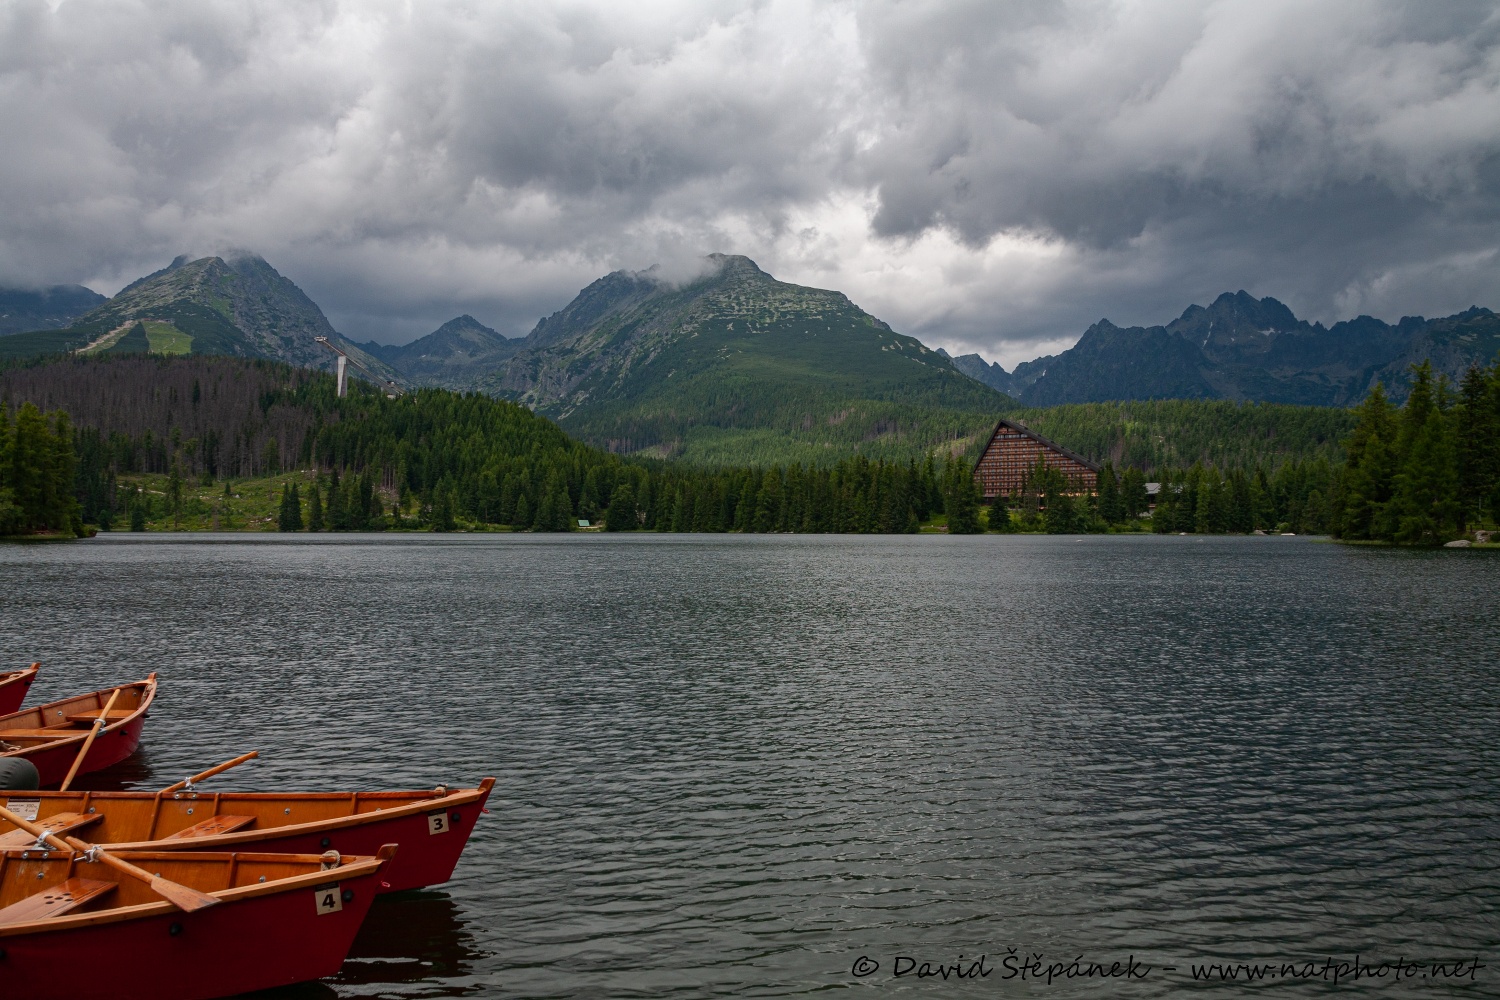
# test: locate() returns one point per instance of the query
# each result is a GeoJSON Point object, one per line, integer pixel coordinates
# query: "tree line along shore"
{"type": "Point", "coordinates": [229, 444]}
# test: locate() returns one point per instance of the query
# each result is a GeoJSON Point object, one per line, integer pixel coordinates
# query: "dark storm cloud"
{"type": "Point", "coordinates": [984, 175]}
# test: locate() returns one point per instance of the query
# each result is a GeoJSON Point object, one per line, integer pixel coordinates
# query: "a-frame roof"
{"type": "Point", "coordinates": [1021, 428]}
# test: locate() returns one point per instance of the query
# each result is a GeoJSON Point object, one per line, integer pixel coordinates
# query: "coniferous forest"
{"type": "Point", "coordinates": [37, 473]}
{"type": "Point", "coordinates": [81, 436]}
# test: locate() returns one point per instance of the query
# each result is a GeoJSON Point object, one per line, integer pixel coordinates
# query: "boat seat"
{"type": "Point", "coordinates": [212, 827]}
{"type": "Point", "coordinates": [60, 824]}
{"type": "Point", "coordinates": [89, 717]}
{"type": "Point", "coordinates": [56, 901]}
{"type": "Point", "coordinates": [45, 734]}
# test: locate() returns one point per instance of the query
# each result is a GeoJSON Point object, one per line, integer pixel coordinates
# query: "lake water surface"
{"type": "Point", "coordinates": [733, 766]}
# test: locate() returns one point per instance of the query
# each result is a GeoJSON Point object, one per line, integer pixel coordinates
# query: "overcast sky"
{"type": "Point", "coordinates": [990, 176]}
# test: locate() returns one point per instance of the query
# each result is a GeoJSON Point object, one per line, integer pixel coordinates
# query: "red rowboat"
{"type": "Point", "coordinates": [430, 826]}
{"type": "Point", "coordinates": [50, 736]}
{"type": "Point", "coordinates": [13, 687]}
{"type": "Point", "coordinates": [74, 928]}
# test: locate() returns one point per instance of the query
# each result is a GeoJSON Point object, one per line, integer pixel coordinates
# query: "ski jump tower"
{"type": "Point", "coordinates": [392, 390]}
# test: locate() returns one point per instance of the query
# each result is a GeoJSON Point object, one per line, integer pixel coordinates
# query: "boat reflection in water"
{"type": "Point", "coordinates": [131, 774]}
{"type": "Point", "coordinates": [410, 937]}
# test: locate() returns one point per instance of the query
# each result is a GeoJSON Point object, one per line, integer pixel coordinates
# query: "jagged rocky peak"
{"type": "Point", "coordinates": [1236, 319]}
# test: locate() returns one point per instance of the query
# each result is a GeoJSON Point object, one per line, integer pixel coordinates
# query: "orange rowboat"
{"type": "Point", "coordinates": [71, 927]}
{"type": "Point", "coordinates": [13, 687]}
{"type": "Point", "coordinates": [51, 736]}
{"type": "Point", "coordinates": [432, 827]}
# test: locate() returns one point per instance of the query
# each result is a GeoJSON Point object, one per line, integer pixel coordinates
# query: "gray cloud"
{"type": "Point", "coordinates": [990, 176]}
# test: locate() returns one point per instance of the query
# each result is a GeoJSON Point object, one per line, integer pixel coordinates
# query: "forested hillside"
{"type": "Point", "coordinates": [152, 432]}
{"type": "Point", "coordinates": [1155, 434]}
{"type": "Point", "coordinates": [432, 459]}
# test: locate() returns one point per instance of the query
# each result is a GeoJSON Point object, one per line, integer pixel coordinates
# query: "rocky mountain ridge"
{"type": "Point", "coordinates": [1243, 348]}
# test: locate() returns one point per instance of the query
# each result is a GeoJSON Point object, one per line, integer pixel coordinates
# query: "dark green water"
{"type": "Point", "coordinates": [732, 766]}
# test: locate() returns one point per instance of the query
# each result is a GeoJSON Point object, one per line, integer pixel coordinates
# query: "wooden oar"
{"type": "Point", "coordinates": [98, 728]}
{"type": "Point", "coordinates": [183, 897]}
{"type": "Point", "coordinates": [220, 769]}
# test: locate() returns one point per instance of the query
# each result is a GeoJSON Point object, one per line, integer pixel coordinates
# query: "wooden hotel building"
{"type": "Point", "coordinates": [1013, 451]}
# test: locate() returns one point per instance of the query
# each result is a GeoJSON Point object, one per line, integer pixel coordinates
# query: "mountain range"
{"type": "Point", "coordinates": [734, 366]}
{"type": "Point", "coordinates": [1243, 348]}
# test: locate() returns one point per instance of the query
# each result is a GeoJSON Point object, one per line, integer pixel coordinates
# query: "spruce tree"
{"type": "Point", "coordinates": [1478, 444]}
{"type": "Point", "coordinates": [174, 493]}
{"type": "Point", "coordinates": [1111, 507]}
{"type": "Point", "coordinates": [337, 509]}
{"type": "Point", "coordinates": [621, 515]}
{"type": "Point", "coordinates": [315, 508]}
{"type": "Point", "coordinates": [962, 499]}
{"type": "Point", "coordinates": [1133, 499]}
{"type": "Point", "coordinates": [290, 518]}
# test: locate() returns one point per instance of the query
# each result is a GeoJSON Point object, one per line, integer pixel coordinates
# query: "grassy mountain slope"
{"type": "Point", "coordinates": [737, 366]}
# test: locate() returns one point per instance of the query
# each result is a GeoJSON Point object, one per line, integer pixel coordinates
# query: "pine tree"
{"type": "Point", "coordinates": [1111, 506]}
{"type": "Point", "coordinates": [1426, 487]}
{"type": "Point", "coordinates": [768, 502]}
{"type": "Point", "coordinates": [290, 518]}
{"type": "Point", "coordinates": [1478, 445]}
{"type": "Point", "coordinates": [622, 512]}
{"type": "Point", "coordinates": [314, 508]}
{"type": "Point", "coordinates": [962, 499]}
{"type": "Point", "coordinates": [1133, 499]}
{"type": "Point", "coordinates": [1061, 516]}
{"type": "Point", "coordinates": [337, 510]}
{"type": "Point", "coordinates": [174, 493]}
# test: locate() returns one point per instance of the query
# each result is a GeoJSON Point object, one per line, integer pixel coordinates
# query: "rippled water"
{"type": "Point", "coordinates": [734, 765]}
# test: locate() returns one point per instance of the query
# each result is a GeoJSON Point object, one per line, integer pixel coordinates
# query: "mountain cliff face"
{"type": "Point", "coordinates": [46, 308]}
{"type": "Point", "coordinates": [457, 355]}
{"type": "Point", "coordinates": [1244, 348]}
{"type": "Point", "coordinates": [638, 363]}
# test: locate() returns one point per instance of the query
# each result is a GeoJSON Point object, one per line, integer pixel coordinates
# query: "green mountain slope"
{"type": "Point", "coordinates": [239, 306]}
{"type": "Point", "coordinates": [739, 367]}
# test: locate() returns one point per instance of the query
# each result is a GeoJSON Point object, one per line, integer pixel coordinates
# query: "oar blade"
{"type": "Point", "coordinates": [183, 897]}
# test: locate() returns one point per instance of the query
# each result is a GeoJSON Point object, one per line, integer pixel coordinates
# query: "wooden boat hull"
{"type": "Point", "coordinates": [432, 829]}
{"type": "Point", "coordinates": [54, 754]}
{"type": "Point", "coordinates": [247, 942]}
{"type": "Point", "coordinates": [13, 688]}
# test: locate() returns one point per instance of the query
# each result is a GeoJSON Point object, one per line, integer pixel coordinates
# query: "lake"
{"type": "Point", "coordinates": [760, 765]}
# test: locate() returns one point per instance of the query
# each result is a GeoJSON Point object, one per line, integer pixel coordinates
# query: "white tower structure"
{"type": "Point", "coordinates": [343, 375]}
